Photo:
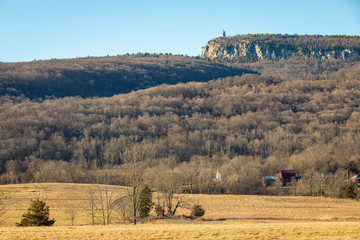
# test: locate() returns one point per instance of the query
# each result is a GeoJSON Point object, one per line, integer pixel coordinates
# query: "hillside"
{"type": "Point", "coordinates": [254, 47]}
{"type": "Point", "coordinates": [297, 112]}
{"type": "Point", "coordinates": [104, 76]}
{"type": "Point", "coordinates": [248, 127]}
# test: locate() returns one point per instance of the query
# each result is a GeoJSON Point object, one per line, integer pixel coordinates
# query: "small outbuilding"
{"type": "Point", "coordinates": [268, 181]}
{"type": "Point", "coordinates": [356, 178]}
{"type": "Point", "coordinates": [218, 177]}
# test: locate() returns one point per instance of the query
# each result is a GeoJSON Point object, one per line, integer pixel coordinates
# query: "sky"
{"type": "Point", "coordinates": [46, 29]}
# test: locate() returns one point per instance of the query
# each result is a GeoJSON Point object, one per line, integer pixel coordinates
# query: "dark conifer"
{"type": "Point", "coordinates": [145, 203]}
{"type": "Point", "coordinates": [37, 215]}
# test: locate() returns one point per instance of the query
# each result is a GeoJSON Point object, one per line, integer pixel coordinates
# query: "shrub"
{"type": "Point", "coordinates": [349, 192]}
{"type": "Point", "coordinates": [37, 215]}
{"type": "Point", "coordinates": [197, 211]}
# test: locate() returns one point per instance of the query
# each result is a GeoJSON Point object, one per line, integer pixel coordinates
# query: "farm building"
{"type": "Point", "coordinates": [268, 181]}
{"type": "Point", "coordinates": [356, 178]}
{"type": "Point", "coordinates": [287, 175]}
{"type": "Point", "coordinates": [218, 177]}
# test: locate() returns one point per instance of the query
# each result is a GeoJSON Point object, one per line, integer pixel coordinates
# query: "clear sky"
{"type": "Point", "coordinates": [45, 29]}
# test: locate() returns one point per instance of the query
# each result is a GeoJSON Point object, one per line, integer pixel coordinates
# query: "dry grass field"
{"type": "Point", "coordinates": [231, 230]}
{"type": "Point", "coordinates": [227, 217]}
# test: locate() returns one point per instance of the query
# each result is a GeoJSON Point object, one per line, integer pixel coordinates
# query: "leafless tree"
{"type": "Point", "coordinates": [101, 200]}
{"type": "Point", "coordinates": [72, 209]}
{"type": "Point", "coordinates": [169, 183]}
{"type": "Point", "coordinates": [135, 167]}
{"type": "Point", "coordinates": [105, 201]}
{"type": "Point", "coordinates": [123, 206]}
{"type": "Point", "coordinates": [91, 195]}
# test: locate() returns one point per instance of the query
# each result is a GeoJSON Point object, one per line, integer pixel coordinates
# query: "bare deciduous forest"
{"type": "Point", "coordinates": [105, 76]}
{"type": "Point", "coordinates": [298, 113]}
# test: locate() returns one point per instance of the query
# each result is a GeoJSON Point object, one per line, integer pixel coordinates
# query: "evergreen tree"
{"type": "Point", "coordinates": [37, 215]}
{"type": "Point", "coordinates": [145, 203]}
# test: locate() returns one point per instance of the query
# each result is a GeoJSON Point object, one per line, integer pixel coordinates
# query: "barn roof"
{"type": "Point", "coordinates": [288, 171]}
{"type": "Point", "coordinates": [269, 178]}
{"type": "Point", "coordinates": [357, 176]}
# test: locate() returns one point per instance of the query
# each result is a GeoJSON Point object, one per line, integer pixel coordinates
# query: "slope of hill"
{"type": "Point", "coordinates": [104, 76]}
{"type": "Point", "coordinates": [253, 47]}
{"type": "Point", "coordinates": [248, 127]}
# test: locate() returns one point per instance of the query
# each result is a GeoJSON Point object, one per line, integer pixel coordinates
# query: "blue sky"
{"type": "Point", "coordinates": [45, 29]}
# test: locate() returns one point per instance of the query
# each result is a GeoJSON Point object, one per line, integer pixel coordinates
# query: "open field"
{"type": "Point", "coordinates": [231, 230]}
{"type": "Point", "coordinates": [227, 217]}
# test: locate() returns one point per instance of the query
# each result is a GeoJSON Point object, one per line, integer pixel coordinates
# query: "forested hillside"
{"type": "Point", "coordinates": [104, 76]}
{"type": "Point", "coordinates": [245, 126]}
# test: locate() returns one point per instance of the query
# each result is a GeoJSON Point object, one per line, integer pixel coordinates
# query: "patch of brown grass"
{"type": "Point", "coordinates": [60, 197]}
{"type": "Point", "coordinates": [233, 230]}
{"type": "Point", "coordinates": [253, 207]}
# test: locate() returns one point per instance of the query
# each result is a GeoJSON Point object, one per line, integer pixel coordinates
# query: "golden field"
{"type": "Point", "coordinates": [227, 216]}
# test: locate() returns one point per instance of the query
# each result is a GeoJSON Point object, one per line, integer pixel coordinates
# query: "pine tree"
{"type": "Point", "coordinates": [37, 215]}
{"type": "Point", "coordinates": [145, 203]}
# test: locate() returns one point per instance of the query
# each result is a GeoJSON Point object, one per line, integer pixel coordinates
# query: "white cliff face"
{"type": "Point", "coordinates": [259, 52]}
{"type": "Point", "coordinates": [249, 51]}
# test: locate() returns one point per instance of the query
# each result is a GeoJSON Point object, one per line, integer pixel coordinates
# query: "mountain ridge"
{"type": "Point", "coordinates": [105, 76]}
{"type": "Point", "coordinates": [254, 47]}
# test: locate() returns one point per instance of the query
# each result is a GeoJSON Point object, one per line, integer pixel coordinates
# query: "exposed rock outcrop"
{"type": "Point", "coordinates": [267, 46]}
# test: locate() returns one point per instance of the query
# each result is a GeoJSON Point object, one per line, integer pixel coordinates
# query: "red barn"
{"type": "Point", "coordinates": [287, 175]}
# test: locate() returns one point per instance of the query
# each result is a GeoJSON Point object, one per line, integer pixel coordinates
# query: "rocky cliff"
{"type": "Point", "coordinates": [254, 47]}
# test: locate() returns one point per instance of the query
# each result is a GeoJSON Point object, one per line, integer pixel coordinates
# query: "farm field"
{"type": "Point", "coordinates": [227, 216]}
{"type": "Point", "coordinates": [230, 230]}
